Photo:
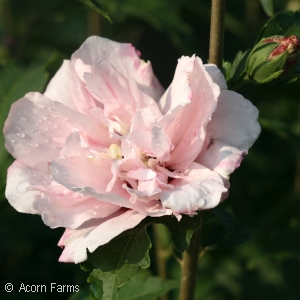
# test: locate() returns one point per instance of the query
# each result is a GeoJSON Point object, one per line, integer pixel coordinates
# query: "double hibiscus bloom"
{"type": "Point", "coordinates": [106, 146]}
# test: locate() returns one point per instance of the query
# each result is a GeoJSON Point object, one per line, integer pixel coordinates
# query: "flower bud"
{"type": "Point", "coordinates": [273, 60]}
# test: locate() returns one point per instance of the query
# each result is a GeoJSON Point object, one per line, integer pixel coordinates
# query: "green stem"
{"type": "Point", "coordinates": [190, 256]}
{"type": "Point", "coordinates": [216, 44]}
{"type": "Point", "coordinates": [94, 23]}
{"type": "Point", "coordinates": [161, 255]}
{"type": "Point", "coordinates": [189, 268]}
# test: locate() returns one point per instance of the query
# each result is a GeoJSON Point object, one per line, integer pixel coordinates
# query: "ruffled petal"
{"type": "Point", "coordinates": [33, 191]}
{"type": "Point", "coordinates": [95, 233]}
{"type": "Point", "coordinates": [55, 213]}
{"type": "Point", "coordinates": [147, 134]}
{"type": "Point", "coordinates": [201, 189]}
{"type": "Point", "coordinates": [118, 93]}
{"type": "Point", "coordinates": [59, 87]}
{"type": "Point", "coordinates": [121, 56]}
{"type": "Point", "coordinates": [231, 132]}
{"type": "Point", "coordinates": [36, 130]}
{"type": "Point", "coordinates": [216, 75]}
{"type": "Point", "coordinates": [188, 105]}
{"type": "Point", "coordinates": [19, 178]}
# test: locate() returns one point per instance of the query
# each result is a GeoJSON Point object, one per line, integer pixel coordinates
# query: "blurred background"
{"type": "Point", "coordinates": [260, 259]}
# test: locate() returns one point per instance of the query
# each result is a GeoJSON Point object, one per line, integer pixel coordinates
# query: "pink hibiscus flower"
{"type": "Point", "coordinates": [105, 146]}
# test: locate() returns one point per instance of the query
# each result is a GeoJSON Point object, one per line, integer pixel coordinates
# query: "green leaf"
{"type": "Point", "coordinates": [226, 69]}
{"type": "Point", "coordinates": [96, 288]}
{"type": "Point", "coordinates": [239, 66]}
{"type": "Point", "coordinates": [181, 231]}
{"type": "Point", "coordinates": [285, 23]}
{"type": "Point", "coordinates": [146, 288]}
{"type": "Point", "coordinates": [116, 262]}
{"type": "Point", "coordinates": [268, 7]}
{"type": "Point", "coordinates": [95, 5]}
{"type": "Point", "coordinates": [113, 264]}
{"type": "Point", "coordinates": [15, 82]}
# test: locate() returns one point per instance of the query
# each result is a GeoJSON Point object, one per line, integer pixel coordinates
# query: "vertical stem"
{"type": "Point", "coordinates": [190, 256]}
{"type": "Point", "coordinates": [160, 255]}
{"type": "Point", "coordinates": [189, 268]}
{"type": "Point", "coordinates": [94, 23]}
{"type": "Point", "coordinates": [216, 44]}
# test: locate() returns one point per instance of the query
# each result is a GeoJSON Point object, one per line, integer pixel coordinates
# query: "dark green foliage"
{"type": "Point", "coordinates": [285, 23]}
{"type": "Point", "coordinates": [116, 262]}
{"type": "Point", "coordinates": [181, 231]}
{"type": "Point", "coordinates": [146, 288]}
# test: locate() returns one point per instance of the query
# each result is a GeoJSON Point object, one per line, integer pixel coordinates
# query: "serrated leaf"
{"type": "Point", "coordinates": [146, 288]}
{"type": "Point", "coordinates": [268, 7]}
{"type": "Point", "coordinates": [227, 220]}
{"type": "Point", "coordinates": [116, 262]}
{"type": "Point", "coordinates": [96, 288]}
{"type": "Point", "coordinates": [181, 231]}
{"type": "Point", "coordinates": [15, 82]}
{"type": "Point", "coordinates": [113, 264]}
{"type": "Point", "coordinates": [96, 5]}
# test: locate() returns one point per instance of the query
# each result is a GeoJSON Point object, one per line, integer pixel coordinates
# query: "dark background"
{"type": "Point", "coordinates": [265, 190]}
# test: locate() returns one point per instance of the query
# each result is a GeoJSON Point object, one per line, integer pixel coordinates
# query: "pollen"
{"type": "Point", "coordinates": [115, 151]}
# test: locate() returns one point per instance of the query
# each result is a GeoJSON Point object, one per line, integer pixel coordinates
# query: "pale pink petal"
{"type": "Point", "coordinates": [161, 145]}
{"type": "Point", "coordinates": [115, 167]}
{"type": "Point", "coordinates": [143, 196]}
{"type": "Point", "coordinates": [202, 189]}
{"type": "Point", "coordinates": [216, 75]}
{"type": "Point", "coordinates": [118, 93]}
{"type": "Point", "coordinates": [37, 128]}
{"type": "Point", "coordinates": [31, 191]}
{"type": "Point", "coordinates": [96, 49]}
{"type": "Point", "coordinates": [221, 158]}
{"type": "Point", "coordinates": [81, 171]}
{"type": "Point", "coordinates": [73, 146]}
{"type": "Point", "coordinates": [133, 157]}
{"type": "Point", "coordinates": [82, 98]}
{"type": "Point", "coordinates": [59, 87]}
{"type": "Point", "coordinates": [19, 178]}
{"type": "Point", "coordinates": [188, 105]}
{"type": "Point", "coordinates": [141, 174]}
{"type": "Point", "coordinates": [81, 69]}
{"type": "Point", "coordinates": [56, 214]}
{"type": "Point", "coordinates": [114, 127]}
{"type": "Point", "coordinates": [231, 132]}
{"type": "Point", "coordinates": [147, 134]}
{"type": "Point", "coordinates": [96, 233]}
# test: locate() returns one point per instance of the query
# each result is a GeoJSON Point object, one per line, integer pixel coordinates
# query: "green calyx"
{"type": "Point", "coordinates": [273, 60]}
